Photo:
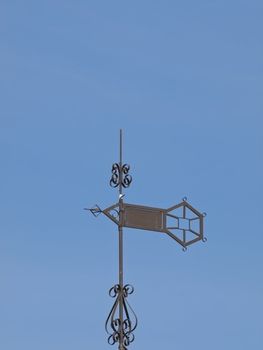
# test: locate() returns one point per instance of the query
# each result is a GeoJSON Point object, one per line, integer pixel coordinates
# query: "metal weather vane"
{"type": "Point", "coordinates": [181, 222]}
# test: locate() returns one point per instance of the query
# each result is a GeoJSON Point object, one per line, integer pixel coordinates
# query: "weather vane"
{"type": "Point", "coordinates": [181, 222]}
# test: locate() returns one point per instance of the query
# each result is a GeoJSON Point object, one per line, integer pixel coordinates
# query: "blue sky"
{"type": "Point", "coordinates": [184, 81]}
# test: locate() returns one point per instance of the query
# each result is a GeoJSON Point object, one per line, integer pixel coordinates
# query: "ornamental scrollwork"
{"type": "Point", "coordinates": [120, 175]}
{"type": "Point", "coordinates": [114, 327]}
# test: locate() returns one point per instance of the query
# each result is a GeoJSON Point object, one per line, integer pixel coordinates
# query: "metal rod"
{"type": "Point", "coordinates": [120, 250]}
{"type": "Point", "coordinates": [120, 164]}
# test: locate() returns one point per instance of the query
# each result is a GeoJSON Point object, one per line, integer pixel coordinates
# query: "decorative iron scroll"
{"type": "Point", "coordinates": [113, 324]}
{"type": "Point", "coordinates": [116, 177]}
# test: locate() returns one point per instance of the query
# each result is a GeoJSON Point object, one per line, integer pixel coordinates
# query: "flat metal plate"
{"type": "Point", "coordinates": [142, 217]}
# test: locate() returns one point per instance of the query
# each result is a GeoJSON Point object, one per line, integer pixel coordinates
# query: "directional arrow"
{"type": "Point", "coordinates": [181, 222]}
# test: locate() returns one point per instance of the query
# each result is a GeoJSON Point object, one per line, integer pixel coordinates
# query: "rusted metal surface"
{"type": "Point", "coordinates": [142, 217]}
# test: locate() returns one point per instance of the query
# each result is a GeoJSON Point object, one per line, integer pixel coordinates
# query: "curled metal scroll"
{"type": "Point", "coordinates": [116, 177]}
{"type": "Point", "coordinates": [113, 324]}
{"type": "Point", "coordinates": [115, 214]}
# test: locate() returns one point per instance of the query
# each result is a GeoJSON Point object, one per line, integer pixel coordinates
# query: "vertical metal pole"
{"type": "Point", "coordinates": [184, 235]}
{"type": "Point", "coordinates": [121, 249]}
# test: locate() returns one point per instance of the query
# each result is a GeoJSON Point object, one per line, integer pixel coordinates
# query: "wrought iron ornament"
{"type": "Point", "coordinates": [114, 326]}
{"type": "Point", "coordinates": [182, 222]}
{"type": "Point", "coordinates": [120, 175]}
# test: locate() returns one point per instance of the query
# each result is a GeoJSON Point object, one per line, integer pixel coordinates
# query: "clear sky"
{"type": "Point", "coordinates": [184, 81]}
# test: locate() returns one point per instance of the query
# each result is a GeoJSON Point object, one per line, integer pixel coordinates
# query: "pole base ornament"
{"type": "Point", "coordinates": [121, 333]}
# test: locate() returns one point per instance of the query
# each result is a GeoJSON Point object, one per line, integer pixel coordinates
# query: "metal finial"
{"type": "Point", "coordinates": [182, 222]}
{"type": "Point", "coordinates": [120, 172]}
